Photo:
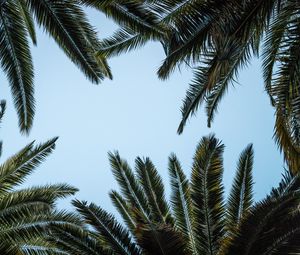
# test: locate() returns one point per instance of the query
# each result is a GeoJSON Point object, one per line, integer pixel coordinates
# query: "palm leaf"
{"type": "Point", "coordinates": [241, 196]}
{"type": "Point", "coordinates": [154, 190]}
{"type": "Point", "coordinates": [130, 188]}
{"type": "Point", "coordinates": [112, 233]}
{"type": "Point", "coordinates": [59, 19]}
{"type": "Point", "coordinates": [207, 194]}
{"type": "Point", "coordinates": [16, 61]}
{"type": "Point", "coordinates": [268, 222]}
{"type": "Point", "coordinates": [181, 203]}
{"type": "Point", "coordinates": [124, 209]}
{"type": "Point", "coordinates": [14, 170]}
{"type": "Point", "coordinates": [28, 20]}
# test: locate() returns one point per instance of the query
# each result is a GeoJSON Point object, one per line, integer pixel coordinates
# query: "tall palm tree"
{"type": "Point", "coordinates": [66, 23]}
{"type": "Point", "coordinates": [197, 220]}
{"type": "Point", "coordinates": [218, 38]}
{"type": "Point", "coordinates": [27, 213]}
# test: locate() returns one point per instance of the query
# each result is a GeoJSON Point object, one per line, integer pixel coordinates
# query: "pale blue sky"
{"type": "Point", "coordinates": [136, 114]}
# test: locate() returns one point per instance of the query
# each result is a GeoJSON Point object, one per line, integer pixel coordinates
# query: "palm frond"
{"type": "Point", "coordinates": [289, 183]}
{"type": "Point", "coordinates": [267, 228]}
{"type": "Point", "coordinates": [16, 61]}
{"type": "Point", "coordinates": [28, 20]}
{"type": "Point", "coordinates": [124, 209]}
{"type": "Point", "coordinates": [130, 188]}
{"type": "Point", "coordinates": [124, 40]}
{"type": "Point", "coordinates": [58, 18]}
{"type": "Point", "coordinates": [14, 170]}
{"type": "Point", "coordinates": [153, 187]}
{"type": "Point", "coordinates": [181, 203]}
{"type": "Point", "coordinates": [241, 196]}
{"type": "Point", "coordinates": [113, 234]}
{"type": "Point", "coordinates": [207, 194]}
{"type": "Point", "coordinates": [286, 142]}
{"type": "Point", "coordinates": [75, 240]}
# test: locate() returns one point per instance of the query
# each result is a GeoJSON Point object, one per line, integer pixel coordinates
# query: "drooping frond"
{"type": "Point", "coordinates": [241, 196]}
{"type": "Point", "coordinates": [16, 61]}
{"type": "Point", "coordinates": [122, 41]}
{"type": "Point", "coordinates": [111, 232]}
{"type": "Point", "coordinates": [130, 14]}
{"type": "Point", "coordinates": [153, 187]}
{"type": "Point", "coordinates": [181, 203]}
{"type": "Point", "coordinates": [212, 80]}
{"type": "Point", "coordinates": [28, 19]}
{"type": "Point", "coordinates": [2, 109]}
{"type": "Point", "coordinates": [207, 194]}
{"type": "Point", "coordinates": [287, 142]}
{"type": "Point", "coordinates": [59, 19]}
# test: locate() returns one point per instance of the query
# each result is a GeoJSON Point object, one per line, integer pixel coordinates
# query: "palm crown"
{"type": "Point", "coordinates": [197, 220]}
{"type": "Point", "coordinates": [217, 38]}
{"type": "Point", "coordinates": [66, 23]}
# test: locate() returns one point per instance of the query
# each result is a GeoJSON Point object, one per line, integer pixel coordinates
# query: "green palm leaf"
{"type": "Point", "coordinates": [154, 190]}
{"type": "Point", "coordinates": [130, 188]}
{"type": "Point", "coordinates": [113, 234]}
{"type": "Point", "coordinates": [16, 61]}
{"type": "Point", "coordinates": [28, 19]}
{"type": "Point", "coordinates": [14, 171]}
{"type": "Point", "coordinates": [76, 240]}
{"type": "Point", "coordinates": [255, 236]}
{"type": "Point", "coordinates": [207, 194]}
{"type": "Point", "coordinates": [124, 209]}
{"type": "Point", "coordinates": [59, 20]}
{"type": "Point", "coordinates": [181, 203]}
{"type": "Point", "coordinates": [241, 196]}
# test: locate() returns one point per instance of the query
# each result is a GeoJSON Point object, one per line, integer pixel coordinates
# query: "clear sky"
{"type": "Point", "coordinates": [136, 114]}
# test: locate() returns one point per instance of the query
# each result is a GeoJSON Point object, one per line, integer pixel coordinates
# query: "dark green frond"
{"type": "Point", "coordinates": [124, 209]}
{"type": "Point", "coordinates": [181, 203]}
{"type": "Point", "coordinates": [14, 170]}
{"type": "Point", "coordinates": [289, 183]}
{"type": "Point", "coordinates": [16, 61]}
{"type": "Point", "coordinates": [123, 40]}
{"type": "Point", "coordinates": [130, 187]}
{"type": "Point", "coordinates": [75, 240]}
{"type": "Point", "coordinates": [207, 194]}
{"type": "Point", "coordinates": [113, 234]}
{"type": "Point", "coordinates": [153, 187]}
{"type": "Point", "coordinates": [241, 196]}
{"type": "Point", "coordinates": [268, 228]}
{"type": "Point", "coordinates": [42, 196]}
{"type": "Point", "coordinates": [130, 14]}
{"type": "Point", "coordinates": [59, 19]}
{"type": "Point", "coordinates": [28, 19]}
{"type": "Point", "coordinates": [2, 109]}
{"type": "Point", "coordinates": [286, 142]}
{"type": "Point", "coordinates": [171, 242]}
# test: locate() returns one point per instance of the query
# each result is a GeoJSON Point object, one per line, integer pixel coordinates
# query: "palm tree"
{"type": "Point", "coordinates": [27, 213]}
{"type": "Point", "coordinates": [66, 23]}
{"type": "Point", "coordinates": [216, 39]}
{"type": "Point", "coordinates": [196, 220]}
